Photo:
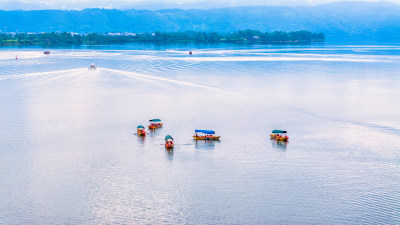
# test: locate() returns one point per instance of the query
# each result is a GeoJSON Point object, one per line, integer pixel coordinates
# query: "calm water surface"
{"type": "Point", "coordinates": [69, 153]}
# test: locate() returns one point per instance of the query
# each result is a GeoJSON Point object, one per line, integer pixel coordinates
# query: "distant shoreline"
{"type": "Point", "coordinates": [239, 37]}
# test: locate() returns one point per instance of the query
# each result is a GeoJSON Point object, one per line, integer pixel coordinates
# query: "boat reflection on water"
{"type": "Point", "coordinates": [205, 144]}
{"type": "Point", "coordinates": [141, 139]}
{"type": "Point", "coordinates": [280, 145]}
{"type": "Point", "coordinates": [169, 153]}
{"type": "Point", "coordinates": [155, 132]}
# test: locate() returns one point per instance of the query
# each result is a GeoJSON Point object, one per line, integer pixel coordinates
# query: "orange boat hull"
{"type": "Point", "coordinates": [169, 145]}
{"type": "Point", "coordinates": [155, 126]}
{"type": "Point", "coordinates": [206, 138]}
{"type": "Point", "coordinates": [279, 138]}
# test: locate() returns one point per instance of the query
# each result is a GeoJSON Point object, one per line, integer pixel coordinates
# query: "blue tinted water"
{"type": "Point", "coordinates": [69, 153]}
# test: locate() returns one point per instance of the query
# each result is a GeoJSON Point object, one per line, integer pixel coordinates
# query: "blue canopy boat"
{"type": "Point", "coordinates": [207, 135]}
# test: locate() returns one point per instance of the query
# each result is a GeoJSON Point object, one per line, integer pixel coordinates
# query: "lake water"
{"type": "Point", "coordinates": [69, 153]}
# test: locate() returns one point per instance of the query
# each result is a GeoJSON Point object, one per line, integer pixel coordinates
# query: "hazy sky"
{"type": "Point", "coordinates": [149, 4]}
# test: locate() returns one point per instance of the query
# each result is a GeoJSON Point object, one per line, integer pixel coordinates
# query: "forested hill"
{"type": "Point", "coordinates": [245, 37]}
{"type": "Point", "coordinates": [340, 18]}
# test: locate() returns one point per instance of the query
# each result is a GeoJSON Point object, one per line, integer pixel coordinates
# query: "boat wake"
{"type": "Point", "coordinates": [149, 77]}
{"type": "Point", "coordinates": [381, 128]}
{"type": "Point", "coordinates": [273, 58]}
{"type": "Point", "coordinates": [41, 75]}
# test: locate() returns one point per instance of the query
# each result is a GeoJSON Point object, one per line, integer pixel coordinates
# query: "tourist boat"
{"type": "Point", "coordinates": [277, 135]}
{"type": "Point", "coordinates": [92, 66]}
{"type": "Point", "coordinates": [205, 135]}
{"type": "Point", "coordinates": [141, 131]}
{"type": "Point", "coordinates": [46, 52]}
{"type": "Point", "coordinates": [155, 123]}
{"type": "Point", "coordinates": [169, 142]}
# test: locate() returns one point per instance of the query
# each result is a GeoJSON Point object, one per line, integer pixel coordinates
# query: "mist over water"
{"type": "Point", "coordinates": [69, 153]}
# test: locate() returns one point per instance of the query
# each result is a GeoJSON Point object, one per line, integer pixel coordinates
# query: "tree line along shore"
{"type": "Point", "coordinates": [243, 36]}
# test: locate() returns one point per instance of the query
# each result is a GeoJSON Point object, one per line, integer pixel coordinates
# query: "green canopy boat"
{"type": "Point", "coordinates": [277, 135]}
{"type": "Point", "coordinates": [155, 121]}
{"type": "Point", "coordinates": [168, 137]}
{"type": "Point", "coordinates": [169, 142]}
{"type": "Point", "coordinates": [279, 131]}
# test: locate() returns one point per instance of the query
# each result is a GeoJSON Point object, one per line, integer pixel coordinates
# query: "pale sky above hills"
{"type": "Point", "coordinates": [152, 4]}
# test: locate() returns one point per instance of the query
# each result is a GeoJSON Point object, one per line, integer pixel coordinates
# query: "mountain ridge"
{"type": "Point", "coordinates": [339, 18]}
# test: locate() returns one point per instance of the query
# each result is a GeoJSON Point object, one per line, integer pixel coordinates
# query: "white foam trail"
{"type": "Point", "coordinates": [89, 54]}
{"type": "Point", "coordinates": [269, 50]}
{"type": "Point", "coordinates": [257, 58]}
{"type": "Point", "coordinates": [138, 75]}
{"type": "Point", "coordinates": [7, 55]}
{"type": "Point", "coordinates": [28, 75]}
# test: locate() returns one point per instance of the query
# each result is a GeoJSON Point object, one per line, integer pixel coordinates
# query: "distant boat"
{"type": "Point", "coordinates": [141, 131]}
{"type": "Point", "coordinates": [47, 52]}
{"type": "Point", "coordinates": [155, 123]}
{"type": "Point", "coordinates": [169, 142]}
{"type": "Point", "coordinates": [277, 135]}
{"type": "Point", "coordinates": [206, 135]}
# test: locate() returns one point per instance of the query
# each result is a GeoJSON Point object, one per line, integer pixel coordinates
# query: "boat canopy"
{"type": "Point", "coordinates": [140, 127]}
{"type": "Point", "coordinates": [155, 120]}
{"type": "Point", "coordinates": [279, 131]}
{"type": "Point", "coordinates": [205, 131]}
{"type": "Point", "coordinates": [168, 137]}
